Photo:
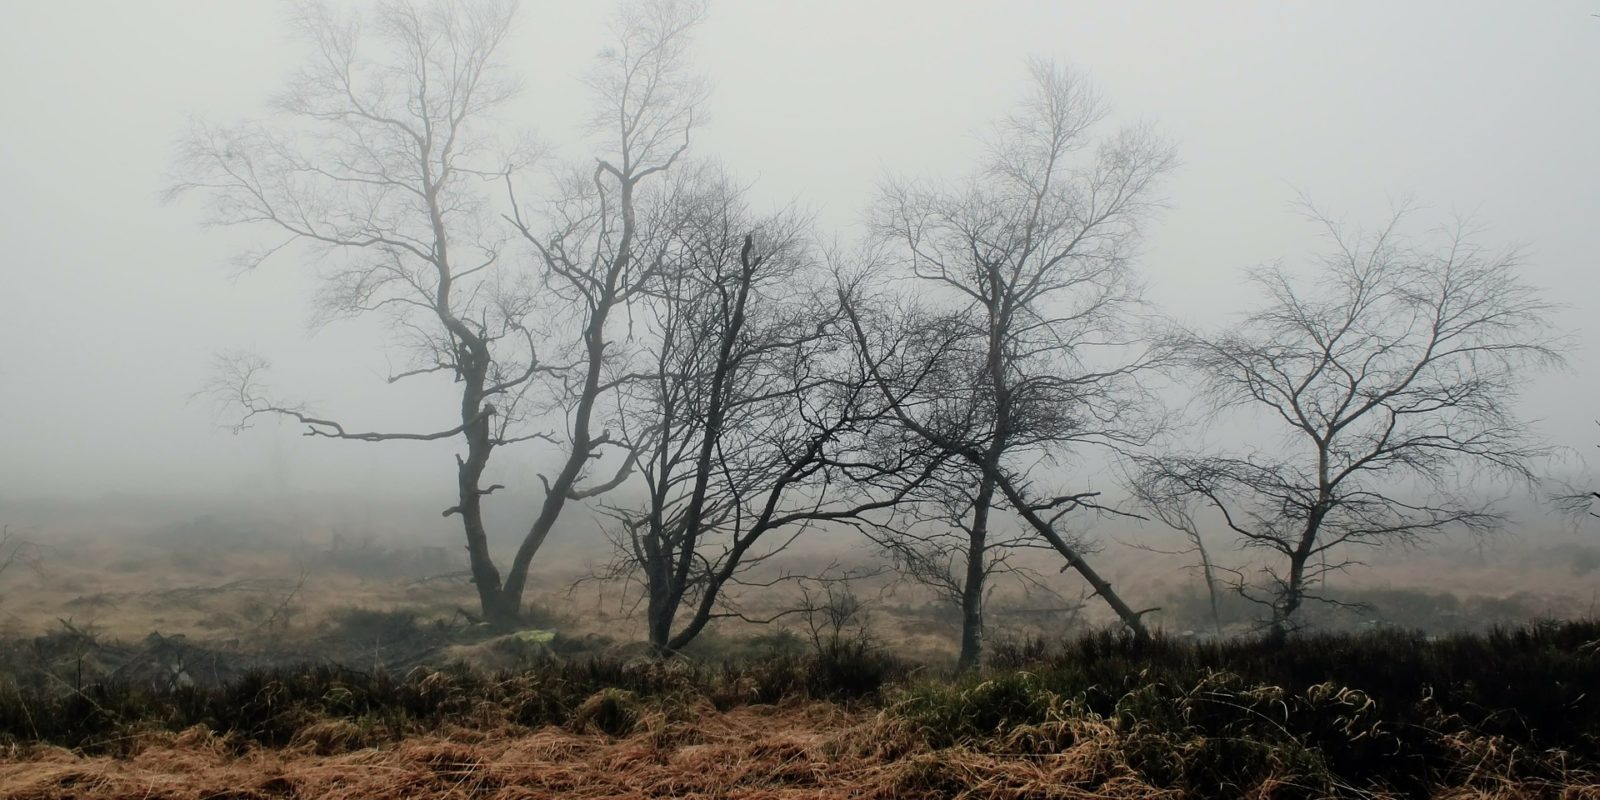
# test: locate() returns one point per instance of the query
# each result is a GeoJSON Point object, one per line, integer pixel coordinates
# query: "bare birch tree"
{"type": "Point", "coordinates": [375, 159]}
{"type": "Point", "coordinates": [1027, 350]}
{"type": "Point", "coordinates": [599, 250]}
{"type": "Point", "coordinates": [1393, 371]}
{"type": "Point", "coordinates": [382, 159]}
{"type": "Point", "coordinates": [754, 424]}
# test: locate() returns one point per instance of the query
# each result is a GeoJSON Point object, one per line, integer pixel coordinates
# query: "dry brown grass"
{"type": "Point", "coordinates": [802, 750]}
{"type": "Point", "coordinates": [765, 752]}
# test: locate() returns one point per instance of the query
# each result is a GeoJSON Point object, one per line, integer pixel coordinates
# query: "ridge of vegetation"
{"type": "Point", "coordinates": [1510, 713]}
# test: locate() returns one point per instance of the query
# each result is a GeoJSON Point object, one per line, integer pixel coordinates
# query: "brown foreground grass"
{"type": "Point", "coordinates": [765, 752]}
{"type": "Point", "coordinates": [810, 750]}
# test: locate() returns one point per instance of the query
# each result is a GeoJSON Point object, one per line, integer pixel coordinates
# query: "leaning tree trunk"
{"type": "Point", "coordinates": [1133, 620]}
{"type": "Point", "coordinates": [563, 488]}
{"type": "Point", "coordinates": [666, 597]}
{"type": "Point", "coordinates": [1209, 575]}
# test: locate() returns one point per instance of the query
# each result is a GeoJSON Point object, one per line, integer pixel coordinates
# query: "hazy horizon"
{"type": "Point", "coordinates": [119, 302]}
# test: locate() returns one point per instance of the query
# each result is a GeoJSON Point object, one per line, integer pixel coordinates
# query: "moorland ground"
{"type": "Point", "coordinates": [211, 657]}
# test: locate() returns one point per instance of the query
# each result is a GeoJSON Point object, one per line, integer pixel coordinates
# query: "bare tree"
{"type": "Point", "coordinates": [382, 161]}
{"type": "Point", "coordinates": [16, 551]}
{"type": "Point", "coordinates": [1028, 350]}
{"type": "Point", "coordinates": [929, 542]}
{"type": "Point", "coordinates": [375, 159]}
{"type": "Point", "coordinates": [1394, 373]}
{"type": "Point", "coordinates": [1174, 505]}
{"type": "Point", "coordinates": [754, 424]}
{"type": "Point", "coordinates": [599, 254]}
{"type": "Point", "coordinates": [836, 619]}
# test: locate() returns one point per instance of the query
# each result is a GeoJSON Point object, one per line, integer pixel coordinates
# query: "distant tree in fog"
{"type": "Point", "coordinates": [1024, 348]}
{"type": "Point", "coordinates": [382, 157]}
{"type": "Point", "coordinates": [1171, 503]}
{"type": "Point", "coordinates": [16, 551]}
{"type": "Point", "coordinates": [1393, 373]}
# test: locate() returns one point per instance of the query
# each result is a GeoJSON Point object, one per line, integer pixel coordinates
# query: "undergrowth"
{"type": "Point", "coordinates": [272, 706]}
{"type": "Point", "coordinates": [1511, 712]}
{"type": "Point", "coordinates": [1319, 716]}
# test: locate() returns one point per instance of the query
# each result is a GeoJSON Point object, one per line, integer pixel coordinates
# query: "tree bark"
{"type": "Point", "coordinates": [977, 572]}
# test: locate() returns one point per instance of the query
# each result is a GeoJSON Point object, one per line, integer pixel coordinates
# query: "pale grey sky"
{"type": "Point", "coordinates": [114, 303]}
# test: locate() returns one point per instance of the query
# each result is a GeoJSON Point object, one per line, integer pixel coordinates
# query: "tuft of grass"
{"type": "Point", "coordinates": [976, 708]}
{"type": "Point", "coordinates": [613, 712]}
{"type": "Point", "coordinates": [852, 669]}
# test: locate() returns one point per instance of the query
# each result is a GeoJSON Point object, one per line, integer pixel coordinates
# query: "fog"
{"type": "Point", "coordinates": [117, 302]}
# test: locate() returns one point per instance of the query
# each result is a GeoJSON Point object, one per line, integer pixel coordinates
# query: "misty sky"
{"type": "Point", "coordinates": [114, 303]}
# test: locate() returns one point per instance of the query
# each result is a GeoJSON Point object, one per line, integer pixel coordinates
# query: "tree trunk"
{"type": "Point", "coordinates": [478, 419]}
{"type": "Point", "coordinates": [1134, 620]}
{"type": "Point", "coordinates": [977, 572]}
{"type": "Point", "coordinates": [1211, 589]}
{"type": "Point", "coordinates": [1209, 575]}
{"type": "Point", "coordinates": [558, 492]}
{"type": "Point", "coordinates": [485, 577]}
{"type": "Point", "coordinates": [472, 367]}
{"type": "Point", "coordinates": [660, 627]}
{"type": "Point", "coordinates": [1288, 602]}
{"type": "Point", "coordinates": [659, 609]}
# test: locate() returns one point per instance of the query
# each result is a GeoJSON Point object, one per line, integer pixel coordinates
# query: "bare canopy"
{"type": "Point", "coordinates": [375, 160]}
{"type": "Point", "coordinates": [1394, 372]}
{"type": "Point", "coordinates": [383, 158]}
{"type": "Point", "coordinates": [1027, 347]}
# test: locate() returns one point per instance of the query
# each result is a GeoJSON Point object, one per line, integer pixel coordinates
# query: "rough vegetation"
{"type": "Point", "coordinates": [1509, 713]}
